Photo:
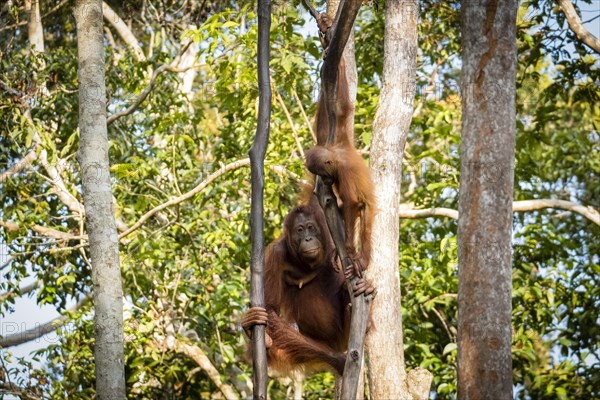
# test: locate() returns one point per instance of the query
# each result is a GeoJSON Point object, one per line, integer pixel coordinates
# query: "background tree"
{"type": "Point", "coordinates": [92, 156]}
{"type": "Point", "coordinates": [386, 367]}
{"type": "Point", "coordinates": [486, 188]}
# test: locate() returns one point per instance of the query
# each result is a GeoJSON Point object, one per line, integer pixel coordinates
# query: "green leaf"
{"type": "Point", "coordinates": [230, 24]}
{"type": "Point", "coordinates": [449, 348]}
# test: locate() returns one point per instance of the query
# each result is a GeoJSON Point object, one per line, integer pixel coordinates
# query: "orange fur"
{"type": "Point", "coordinates": [341, 164]}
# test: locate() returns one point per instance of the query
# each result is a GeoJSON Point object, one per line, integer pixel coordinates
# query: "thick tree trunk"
{"type": "Point", "coordinates": [100, 221]}
{"type": "Point", "coordinates": [385, 361]}
{"type": "Point", "coordinates": [485, 199]}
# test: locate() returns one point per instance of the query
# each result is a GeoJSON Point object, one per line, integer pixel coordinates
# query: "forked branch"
{"type": "Point", "coordinates": [338, 34]}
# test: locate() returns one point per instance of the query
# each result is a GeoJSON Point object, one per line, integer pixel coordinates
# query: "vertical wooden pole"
{"type": "Point", "coordinates": [257, 158]}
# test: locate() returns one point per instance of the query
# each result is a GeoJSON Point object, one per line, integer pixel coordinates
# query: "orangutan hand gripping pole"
{"type": "Point", "coordinates": [304, 287]}
{"type": "Point", "coordinates": [342, 165]}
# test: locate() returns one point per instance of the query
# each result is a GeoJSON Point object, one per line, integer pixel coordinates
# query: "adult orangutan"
{"type": "Point", "coordinates": [304, 287]}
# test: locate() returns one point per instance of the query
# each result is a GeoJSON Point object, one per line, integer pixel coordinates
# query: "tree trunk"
{"type": "Point", "coordinates": [385, 361]}
{"type": "Point", "coordinates": [349, 57]}
{"type": "Point", "coordinates": [100, 221]}
{"type": "Point", "coordinates": [36, 31]}
{"type": "Point", "coordinates": [257, 173]}
{"type": "Point", "coordinates": [485, 199]}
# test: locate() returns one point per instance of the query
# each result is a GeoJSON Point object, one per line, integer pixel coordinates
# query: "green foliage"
{"type": "Point", "coordinates": [186, 269]}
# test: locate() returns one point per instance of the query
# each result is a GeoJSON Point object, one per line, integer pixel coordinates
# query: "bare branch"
{"type": "Point", "coordinates": [13, 92]}
{"type": "Point", "coordinates": [123, 30]}
{"type": "Point", "coordinates": [22, 291]}
{"type": "Point", "coordinates": [577, 26]}
{"type": "Point", "coordinates": [148, 89]}
{"type": "Point", "coordinates": [40, 330]}
{"type": "Point", "coordinates": [291, 122]}
{"type": "Point", "coordinates": [308, 123]}
{"type": "Point", "coordinates": [311, 8]}
{"type": "Point", "coordinates": [518, 206]}
{"type": "Point", "coordinates": [19, 166]}
{"type": "Point", "coordinates": [24, 393]}
{"type": "Point", "coordinates": [200, 358]}
{"type": "Point", "coordinates": [9, 226]}
{"type": "Point", "coordinates": [221, 171]}
{"type": "Point", "coordinates": [44, 231]}
{"type": "Point", "coordinates": [24, 22]}
{"type": "Point", "coordinates": [283, 171]}
{"type": "Point", "coordinates": [539, 204]}
{"type": "Point", "coordinates": [56, 234]}
{"type": "Point", "coordinates": [56, 179]}
{"type": "Point", "coordinates": [409, 213]}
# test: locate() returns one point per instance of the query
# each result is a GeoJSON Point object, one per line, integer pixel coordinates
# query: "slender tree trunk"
{"type": "Point", "coordinates": [352, 79]}
{"type": "Point", "coordinates": [257, 166]}
{"type": "Point", "coordinates": [100, 221]}
{"type": "Point", "coordinates": [485, 199]}
{"type": "Point", "coordinates": [36, 31]}
{"type": "Point", "coordinates": [385, 361]}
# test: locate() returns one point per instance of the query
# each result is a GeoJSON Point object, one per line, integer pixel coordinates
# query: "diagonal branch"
{"type": "Point", "coordinates": [577, 26]}
{"type": "Point", "coordinates": [148, 89]}
{"type": "Point", "coordinates": [54, 176]}
{"type": "Point", "coordinates": [25, 22]}
{"type": "Point", "coordinates": [40, 330]}
{"type": "Point", "coordinates": [311, 8]}
{"type": "Point", "coordinates": [13, 92]}
{"type": "Point", "coordinates": [212, 177]}
{"type": "Point", "coordinates": [291, 122]}
{"type": "Point", "coordinates": [308, 123]}
{"type": "Point", "coordinates": [201, 358]}
{"type": "Point", "coordinates": [55, 234]}
{"type": "Point", "coordinates": [9, 226]}
{"type": "Point", "coordinates": [19, 166]}
{"type": "Point", "coordinates": [123, 30]}
{"type": "Point", "coordinates": [22, 291]}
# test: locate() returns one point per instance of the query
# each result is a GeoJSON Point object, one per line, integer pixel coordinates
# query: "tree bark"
{"type": "Point", "coordinates": [592, 215]}
{"type": "Point", "coordinates": [577, 26]}
{"type": "Point", "coordinates": [257, 160]}
{"type": "Point", "coordinates": [36, 30]}
{"type": "Point", "coordinates": [340, 31]}
{"type": "Point", "coordinates": [385, 361]}
{"type": "Point", "coordinates": [485, 199]}
{"type": "Point", "coordinates": [123, 31]}
{"type": "Point", "coordinates": [200, 358]}
{"type": "Point", "coordinates": [100, 221]}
